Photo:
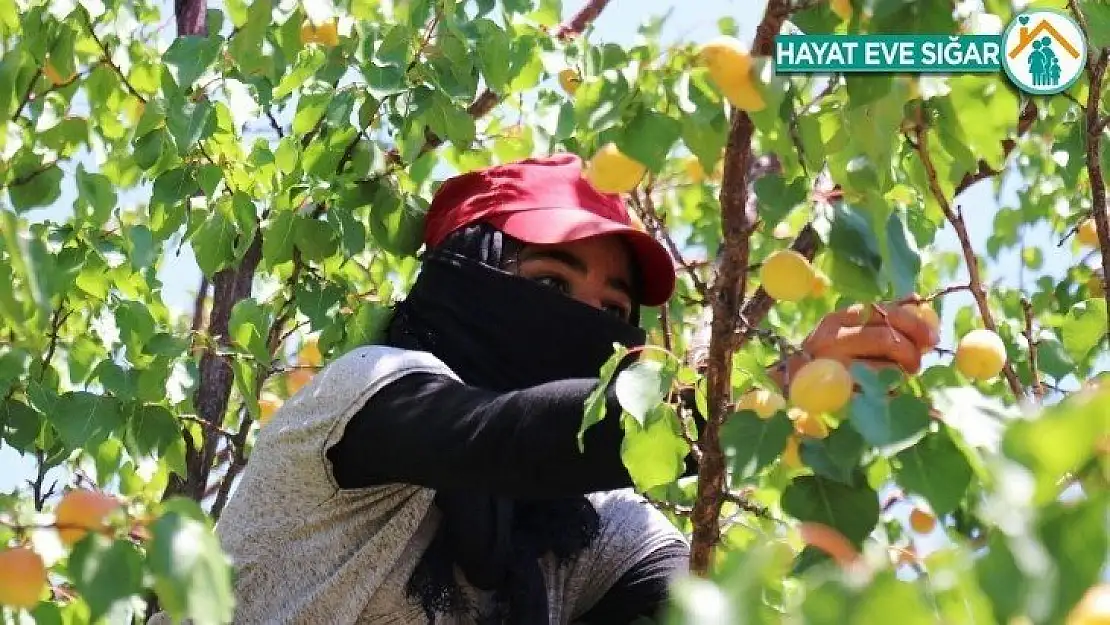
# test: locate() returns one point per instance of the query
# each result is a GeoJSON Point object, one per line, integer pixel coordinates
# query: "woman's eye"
{"type": "Point", "coordinates": [553, 282]}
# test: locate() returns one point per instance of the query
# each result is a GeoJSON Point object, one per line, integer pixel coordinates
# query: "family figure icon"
{"type": "Point", "coordinates": [1046, 45]}
{"type": "Point", "coordinates": [1044, 67]}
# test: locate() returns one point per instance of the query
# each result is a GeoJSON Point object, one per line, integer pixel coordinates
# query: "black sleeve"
{"type": "Point", "coordinates": [433, 431]}
{"type": "Point", "coordinates": [641, 593]}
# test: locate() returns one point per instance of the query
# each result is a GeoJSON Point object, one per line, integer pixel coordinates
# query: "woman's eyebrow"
{"type": "Point", "coordinates": [568, 259]}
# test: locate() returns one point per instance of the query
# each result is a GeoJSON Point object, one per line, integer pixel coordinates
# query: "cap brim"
{"type": "Point", "coordinates": [550, 226]}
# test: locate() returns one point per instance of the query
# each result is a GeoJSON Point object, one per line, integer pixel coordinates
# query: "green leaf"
{"type": "Point", "coordinates": [171, 191]}
{"type": "Point", "coordinates": [705, 137]}
{"type": "Point", "coordinates": [192, 577]}
{"type": "Point", "coordinates": [37, 188]}
{"type": "Point", "coordinates": [648, 138]}
{"type": "Point", "coordinates": [190, 56]}
{"type": "Point", "coordinates": [1076, 539]}
{"type": "Point", "coordinates": [903, 259]}
{"type": "Point", "coordinates": [149, 148]}
{"type": "Point", "coordinates": [751, 443]}
{"type": "Point", "coordinates": [367, 325]}
{"type": "Point", "coordinates": [777, 197]}
{"type": "Point", "coordinates": [152, 430]}
{"type": "Point", "coordinates": [20, 424]}
{"type": "Point", "coordinates": [1001, 578]}
{"type": "Point", "coordinates": [189, 122]}
{"type": "Point", "coordinates": [855, 256]}
{"type": "Point", "coordinates": [936, 469]}
{"type": "Point", "coordinates": [317, 300]}
{"type": "Point", "coordinates": [309, 60]}
{"type": "Point", "coordinates": [853, 511]}
{"type": "Point", "coordinates": [1059, 441]}
{"type": "Point", "coordinates": [249, 326]}
{"type": "Point", "coordinates": [85, 419]}
{"type": "Point", "coordinates": [384, 80]}
{"type": "Point", "coordinates": [654, 453]}
{"type": "Point", "coordinates": [278, 238]}
{"type": "Point", "coordinates": [310, 110]}
{"type": "Point", "coordinates": [315, 239]}
{"type": "Point", "coordinates": [642, 386]}
{"type": "Point", "coordinates": [1084, 327]}
{"type": "Point", "coordinates": [596, 404]}
{"type": "Point", "coordinates": [95, 197]}
{"type": "Point", "coordinates": [493, 54]}
{"type": "Point", "coordinates": [396, 223]}
{"type": "Point", "coordinates": [837, 456]}
{"type": "Point", "coordinates": [214, 242]}
{"type": "Point", "coordinates": [1098, 23]}
{"type": "Point", "coordinates": [988, 111]}
{"type": "Point", "coordinates": [881, 421]}
{"type": "Point", "coordinates": [106, 572]}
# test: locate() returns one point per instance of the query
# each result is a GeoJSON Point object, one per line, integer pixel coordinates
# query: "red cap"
{"type": "Point", "coordinates": [547, 200]}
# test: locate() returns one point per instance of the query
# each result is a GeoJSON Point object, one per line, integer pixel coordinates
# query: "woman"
{"type": "Point", "coordinates": [437, 478]}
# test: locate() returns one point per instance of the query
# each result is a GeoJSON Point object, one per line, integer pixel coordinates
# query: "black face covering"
{"type": "Point", "coordinates": [501, 332]}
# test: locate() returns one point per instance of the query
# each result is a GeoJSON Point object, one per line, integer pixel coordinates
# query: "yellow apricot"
{"type": "Point", "coordinates": [81, 511]}
{"type": "Point", "coordinates": [268, 404]}
{"type": "Point", "coordinates": [310, 354]}
{"type": "Point", "coordinates": [787, 275]}
{"type": "Point", "coordinates": [921, 521]}
{"type": "Point", "coordinates": [611, 171]}
{"type": "Point", "coordinates": [1093, 608]}
{"type": "Point", "coordinates": [806, 424]}
{"type": "Point", "coordinates": [694, 170]}
{"type": "Point", "coordinates": [980, 355]}
{"type": "Point", "coordinates": [821, 284]}
{"type": "Point", "coordinates": [326, 34]}
{"type": "Point", "coordinates": [569, 80]}
{"type": "Point", "coordinates": [22, 577]}
{"type": "Point", "coordinates": [792, 455]}
{"type": "Point", "coordinates": [730, 66]}
{"type": "Point", "coordinates": [1088, 233]}
{"type": "Point", "coordinates": [763, 402]}
{"type": "Point", "coordinates": [842, 9]}
{"type": "Point", "coordinates": [821, 385]}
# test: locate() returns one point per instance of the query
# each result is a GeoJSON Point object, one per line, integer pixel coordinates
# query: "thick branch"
{"type": "Point", "coordinates": [190, 16]}
{"type": "Point", "coordinates": [970, 257]}
{"type": "Point", "coordinates": [727, 297]}
{"type": "Point", "coordinates": [1096, 73]}
{"type": "Point", "coordinates": [575, 25]}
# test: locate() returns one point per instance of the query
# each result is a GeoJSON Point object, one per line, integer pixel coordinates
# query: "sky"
{"type": "Point", "coordinates": [618, 23]}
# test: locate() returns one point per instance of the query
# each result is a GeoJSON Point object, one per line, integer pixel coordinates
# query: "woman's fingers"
{"type": "Point", "coordinates": [895, 317]}
{"type": "Point", "coordinates": [871, 342]}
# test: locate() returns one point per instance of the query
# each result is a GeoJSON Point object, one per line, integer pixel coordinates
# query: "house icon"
{"type": "Point", "coordinates": [1027, 36]}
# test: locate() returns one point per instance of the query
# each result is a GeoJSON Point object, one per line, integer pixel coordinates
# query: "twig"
{"type": "Point", "coordinates": [38, 494]}
{"type": "Point", "coordinates": [27, 95]}
{"type": "Point", "coordinates": [956, 218]}
{"type": "Point", "coordinates": [108, 59]}
{"type": "Point", "coordinates": [727, 298]}
{"type": "Point", "coordinates": [1038, 388]}
{"type": "Point", "coordinates": [673, 508]}
{"type": "Point", "coordinates": [1096, 72]}
{"type": "Point", "coordinates": [647, 209]}
{"type": "Point", "coordinates": [211, 427]}
{"type": "Point", "coordinates": [1026, 118]}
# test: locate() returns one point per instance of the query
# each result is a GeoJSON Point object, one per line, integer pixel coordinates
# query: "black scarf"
{"type": "Point", "coordinates": [501, 332]}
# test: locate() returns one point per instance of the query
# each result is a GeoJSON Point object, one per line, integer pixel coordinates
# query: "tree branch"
{"type": "Point", "coordinates": [107, 58]}
{"type": "Point", "coordinates": [1096, 73]}
{"type": "Point", "coordinates": [1038, 387]}
{"type": "Point", "coordinates": [970, 257]}
{"type": "Point", "coordinates": [27, 95]}
{"type": "Point", "coordinates": [575, 25]}
{"type": "Point", "coordinates": [190, 15]}
{"type": "Point", "coordinates": [1026, 118]}
{"type": "Point", "coordinates": [487, 100]}
{"type": "Point", "coordinates": [647, 210]}
{"type": "Point", "coordinates": [726, 298]}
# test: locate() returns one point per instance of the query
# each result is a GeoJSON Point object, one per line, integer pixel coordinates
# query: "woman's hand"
{"type": "Point", "coordinates": [886, 335]}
